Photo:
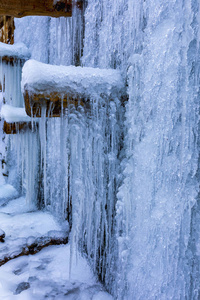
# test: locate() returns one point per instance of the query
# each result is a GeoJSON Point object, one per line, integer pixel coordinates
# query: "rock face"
{"type": "Point", "coordinates": [2, 235]}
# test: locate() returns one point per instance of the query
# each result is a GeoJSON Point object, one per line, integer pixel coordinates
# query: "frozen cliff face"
{"type": "Point", "coordinates": [157, 43]}
{"type": "Point", "coordinates": [139, 224]}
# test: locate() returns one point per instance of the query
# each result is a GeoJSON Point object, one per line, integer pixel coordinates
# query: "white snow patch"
{"type": "Point", "coordinates": [47, 274]}
{"type": "Point", "coordinates": [18, 50]}
{"type": "Point", "coordinates": [22, 223]}
{"type": "Point", "coordinates": [7, 191]}
{"type": "Point", "coordinates": [14, 114]}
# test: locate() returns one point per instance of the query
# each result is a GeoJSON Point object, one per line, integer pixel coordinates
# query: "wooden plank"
{"type": "Point", "coordinates": [13, 60]}
{"type": "Point", "coordinates": [15, 127]}
{"type": "Point", "coordinates": [7, 28]}
{"type": "Point", "coordinates": [22, 8]}
{"type": "Point", "coordinates": [54, 102]}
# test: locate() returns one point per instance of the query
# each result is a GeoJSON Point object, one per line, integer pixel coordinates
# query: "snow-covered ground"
{"type": "Point", "coordinates": [24, 226]}
{"type": "Point", "coordinates": [7, 191]}
{"type": "Point", "coordinates": [52, 273]}
{"type": "Point", "coordinates": [46, 276]}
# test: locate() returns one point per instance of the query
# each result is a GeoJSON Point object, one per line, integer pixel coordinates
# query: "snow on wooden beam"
{"type": "Point", "coordinates": [15, 119]}
{"type": "Point", "coordinates": [21, 8]}
{"type": "Point", "coordinates": [53, 103]}
{"type": "Point", "coordinates": [16, 52]}
{"type": "Point", "coordinates": [58, 86]}
{"type": "Point", "coordinates": [15, 127]}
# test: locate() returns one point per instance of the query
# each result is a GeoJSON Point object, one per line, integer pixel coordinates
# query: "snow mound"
{"type": "Point", "coordinates": [25, 226]}
{"type": "Point", "coordinates": [14, 114]}
{"type": "Point", "coordinates": [18, 50]}
{"type": "Point", "coordinates": [7, 192]}
{"type": "Point", "coordinates": [82, 82]}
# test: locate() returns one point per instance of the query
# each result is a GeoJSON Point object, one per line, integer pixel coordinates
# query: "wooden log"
{"type": "Point", "coordinates": [13, 60]}
{"type": "Point", "coordinates": [15, 127]}
{"type": "Point", "coordinates": [54, 103]}
{"type": "Point", "coordinates": [21, 8]}
{"type": "Point", "coordinates": [7, 28]}
{"type": "Point", "coordinates": [57, 87]}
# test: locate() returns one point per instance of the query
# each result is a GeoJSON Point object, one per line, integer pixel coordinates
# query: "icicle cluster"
{"type": "Point", "coordinates": [79, 157]}
{"type": "Point", "coordinates": [10, 79]}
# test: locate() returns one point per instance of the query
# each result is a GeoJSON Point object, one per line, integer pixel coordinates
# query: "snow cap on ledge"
{"type": "Point", "coordinates": [18, 50]}
{"type": "Point", "coordinates": [14, 114]}
{"type": "Point", "coordinates": [81, 82]}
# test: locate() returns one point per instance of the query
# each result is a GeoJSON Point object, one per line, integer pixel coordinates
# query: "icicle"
{"type": "Point", "coordinates": [43, 141]}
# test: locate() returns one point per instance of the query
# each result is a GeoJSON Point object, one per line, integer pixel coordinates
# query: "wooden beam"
{"type": "Point", "coordinates": [22, 8]}
{"type": "Point", "coordinates": [54, 102]}
{"type": "Point", "coordinates": [7, 28]}
{"type": "Point", "coordinates": [15, 127]}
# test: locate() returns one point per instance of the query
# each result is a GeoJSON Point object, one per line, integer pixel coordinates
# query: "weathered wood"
{"type": "Point", "coordinates": [54, 103]}
{"type": "Point", "coordinates": [15, 127]}
{"type": "Point", "coordinates": [21, 8]}
{"type": "Point", "coordinates": [7, 28]}
{"type": "Point", "coordinates": [13, 60]}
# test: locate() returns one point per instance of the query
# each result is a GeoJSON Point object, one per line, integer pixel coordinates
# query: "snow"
{"type": "Point", "coordinates": [14, 114]}
{"type": "Point", "coordinates": [7, 192]}
{"type": "Point", "coordinates": [2, 233]}
{"type": "Point", "coordinates": [46, 274]}
{"type": "Point", "coordinates": [132, 173]}
{"type": "Point", "coordinates": [22, 223]}
{"type": "Point", "coordinates": [18, 50]}
{"type": "Point", "coordinates": [48, 277]}
{"type": "Point", "coordinates": [74, 81]}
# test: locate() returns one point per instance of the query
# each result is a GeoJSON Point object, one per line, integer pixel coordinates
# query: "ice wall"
{"type": "Point", "coordinates": [138, 224]}
{"type": "Point", "coordinates": [157, 43]}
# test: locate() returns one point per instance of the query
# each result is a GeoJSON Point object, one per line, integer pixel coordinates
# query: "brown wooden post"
{"type": "Point", "coordinates": [22, 8]}
{"type": "Point", "coordinates": [7, 28]}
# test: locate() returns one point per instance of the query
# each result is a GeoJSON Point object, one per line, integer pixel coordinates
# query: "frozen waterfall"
{"type": "Point", "coordinates": [123, 173]}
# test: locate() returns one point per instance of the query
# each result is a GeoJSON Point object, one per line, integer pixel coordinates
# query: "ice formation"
{"type": "Point", "coordinates": [124, 174]}
{"type": "Point", "coordinates": [12, 58]}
